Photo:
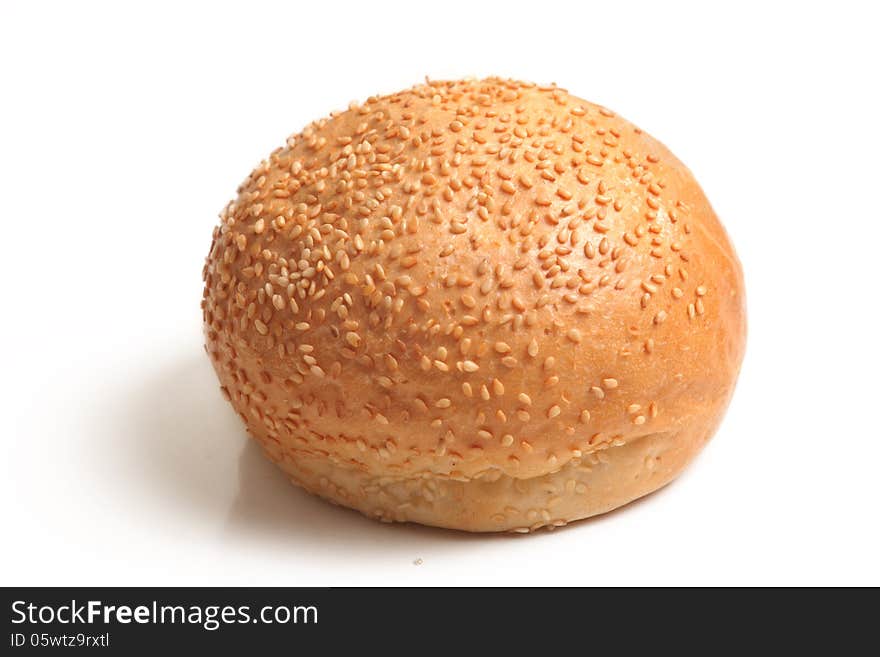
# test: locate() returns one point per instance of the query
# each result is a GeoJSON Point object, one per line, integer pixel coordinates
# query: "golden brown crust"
{"type": "Point", "coordinates": [475, 286]}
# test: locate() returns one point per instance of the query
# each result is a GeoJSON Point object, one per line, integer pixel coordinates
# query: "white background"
{"type": "Point", "coordinates": [123, 131]}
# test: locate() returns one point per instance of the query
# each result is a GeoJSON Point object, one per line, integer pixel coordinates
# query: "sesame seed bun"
{"type": "Point", "coordinates": [484, 305]}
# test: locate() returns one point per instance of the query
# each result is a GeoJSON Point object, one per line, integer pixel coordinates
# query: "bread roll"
{"type": "Point", "coordinates": [484, 305]}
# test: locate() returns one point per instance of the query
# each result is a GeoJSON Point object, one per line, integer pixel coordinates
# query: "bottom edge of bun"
{"type": "Point", "coordinates": [589, 486]}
